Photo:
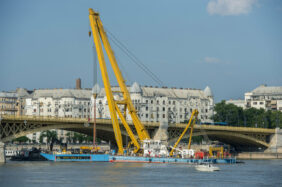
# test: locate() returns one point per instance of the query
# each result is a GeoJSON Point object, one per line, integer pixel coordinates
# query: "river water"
{"type": "Point", "coordinates": [251, 173]}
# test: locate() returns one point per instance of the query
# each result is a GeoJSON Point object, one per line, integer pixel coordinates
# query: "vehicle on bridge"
{"type": "Point", "coordinates": [215, 123]}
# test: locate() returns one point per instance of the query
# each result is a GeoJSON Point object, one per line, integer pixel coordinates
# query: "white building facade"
{"type": "Point", "coordinates": [59, 103]}
{"type": "Point", "coordinates": [161, 104]}
{"type": "Point", "coordinates": [152, 104]}
{"type": "Point", "coordinates": [265, 97]}
{"type": "Point", "coordinates": [238, 102]}
{"type": "Point", "coordinates": [72, 103]}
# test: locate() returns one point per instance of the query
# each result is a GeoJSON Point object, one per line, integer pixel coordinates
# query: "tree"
{"type": "Point", "coordinates": [50, 135]}
{"type": "Point", "coordinates": [69, 137]}
{"type": "Point", "coordinates": [22, 139]}
{"type": "Point", "coordinates": [251, 117]}
{"type": "Point", "coordinates": [228, 113]}
{"type": "Point", "coordinates": [79, 137]}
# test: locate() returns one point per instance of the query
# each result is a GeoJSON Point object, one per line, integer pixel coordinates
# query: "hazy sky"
{"type": "Point", "coordinates": [232, 46]}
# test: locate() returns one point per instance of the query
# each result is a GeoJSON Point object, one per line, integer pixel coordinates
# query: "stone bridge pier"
{"type": "Point", "coordinates": [275, 145]}
{"type": "Point", "coordinates": [2, 153]}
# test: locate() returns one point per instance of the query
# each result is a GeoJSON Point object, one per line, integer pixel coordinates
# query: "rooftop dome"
{"type": "Point", "coordinates": [208, 92]}
{"type": "Point", "coordinates": [96, 89]}
{"type": "Point", "coordinates": [22, 92]}
{"type": "Point", "coordinates": [135, 88]}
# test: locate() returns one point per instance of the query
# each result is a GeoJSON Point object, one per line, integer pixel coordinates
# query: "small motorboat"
{"type": "Point", "coordinates": [206, 167]}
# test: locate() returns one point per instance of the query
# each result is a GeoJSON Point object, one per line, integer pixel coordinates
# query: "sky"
{"type": "Point", "coordinates": [232, 46]}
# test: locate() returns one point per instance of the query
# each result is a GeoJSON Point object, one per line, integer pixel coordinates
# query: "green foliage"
{"type": "Point", "coordinates": [22, 139]}
{"type": "Point", "coordinates": [197, 139]}
{"type": "Point", "coordinates": [250, 117]}
{"type": "Point", "coordinates": [50, 135]}
{"type": "Point", "coordinates": [78, 137]}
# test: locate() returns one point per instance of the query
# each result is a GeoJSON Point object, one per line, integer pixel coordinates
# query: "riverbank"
{"type": "Point", "coordinates": [259, 156]}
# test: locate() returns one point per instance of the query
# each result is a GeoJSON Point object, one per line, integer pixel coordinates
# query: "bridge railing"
{"type": "Point", "coordinates": [42, 118]}
{"type": "Point", "coordinates": [148, 124]}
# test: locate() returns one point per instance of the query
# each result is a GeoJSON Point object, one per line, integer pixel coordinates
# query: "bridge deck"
{"type": "Point", "coordinates": [45, 119]}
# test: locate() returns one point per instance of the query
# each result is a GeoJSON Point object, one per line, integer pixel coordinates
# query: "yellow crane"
{"type": "Point", "coordinates": [191, 123]}
{"type": "Point", "coordinates": [100, 37]}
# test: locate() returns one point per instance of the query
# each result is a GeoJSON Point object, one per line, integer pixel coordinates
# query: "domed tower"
{"type": "Point", "coordinates": [136, 96]}
{"type": "Point", "coordinates": [135, 89]}
{"type": "Point", "coordinates": [208, 93]}
{"type": "Point", "coordinates": [96, 89]}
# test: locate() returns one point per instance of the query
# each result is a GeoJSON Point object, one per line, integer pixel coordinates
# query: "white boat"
{"type": "Point", "coordinates": [206, 167]}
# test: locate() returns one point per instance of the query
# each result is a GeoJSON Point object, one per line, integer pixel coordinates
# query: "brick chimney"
{"type": "Point", "coordinates": [78, 84]}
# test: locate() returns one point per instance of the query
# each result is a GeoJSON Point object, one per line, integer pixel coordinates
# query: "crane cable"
{"type": "Point", "coordinates": [133, 57]}
{"type": "Point", "coordinates": [141, 65]}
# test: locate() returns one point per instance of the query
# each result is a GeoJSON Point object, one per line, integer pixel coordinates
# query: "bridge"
{"type": "Point", "coordinates": [240, 137]}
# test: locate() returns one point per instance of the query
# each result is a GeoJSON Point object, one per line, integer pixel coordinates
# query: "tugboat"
{"type": "Point", "coordinates": [29, 155]}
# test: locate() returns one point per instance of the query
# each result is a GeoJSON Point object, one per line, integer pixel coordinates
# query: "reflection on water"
{"type": "Point", "coordinates": [252, 173]}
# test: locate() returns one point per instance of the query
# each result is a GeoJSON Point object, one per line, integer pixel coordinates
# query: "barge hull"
{"type": "Point", "coordinates": [131, 159]}
{"type": "Point", "coordinates": [170, 160]}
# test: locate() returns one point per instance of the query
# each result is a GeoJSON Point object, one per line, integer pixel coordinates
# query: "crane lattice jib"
{"type": "Point", "coordinates": [191, 123]}
{"type": "Point", "coordinates": [100, 37]}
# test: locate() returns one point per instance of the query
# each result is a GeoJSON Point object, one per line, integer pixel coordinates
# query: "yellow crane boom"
{"type": "Point", "coordinates": [190, 123]}
{"type": "Point", "coordinates": [100, 37]}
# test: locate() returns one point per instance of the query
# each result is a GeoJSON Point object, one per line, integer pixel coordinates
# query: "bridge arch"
{"type": "Point", "coordinates": [15, 130]}
{"type": "Point", "coordinates": [228, 138]}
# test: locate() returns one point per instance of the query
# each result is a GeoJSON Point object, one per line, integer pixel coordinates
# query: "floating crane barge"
{"type": "Point", "coordinates": [144, 149]}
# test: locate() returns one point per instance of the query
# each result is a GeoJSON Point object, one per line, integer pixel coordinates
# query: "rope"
{"type": "Point", "coordinates": [134, 59]}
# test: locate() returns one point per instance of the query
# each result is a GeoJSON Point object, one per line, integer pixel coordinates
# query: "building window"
{"type": "Point", "coordinates": [158, 102]}
{"type": "Point", "coordinates": [163, 115]}
{"type": "Point", "coordinates": [163, 102]}
{"type": "Point", "coordinates": [180, 116]}
{"type": "Point", "coordinates": [146, 115]}
{"type": "Point", "coordinates": [163, 108]}
{"type": "Point", "coordinates": [152, 101]}
{"type": "Point", "coordinates": [157, 108]}
{"type": "Point", "coordinates": [255, 103]}
{"type": "Point", "coordinates": [146, 108]}
{"type": "Point", "coordinates": [261, 103]}
{"type": "Point", "coordinates": [173, 102]}
{"type": "Point", "coordinates": [158, 115]}
{"type": "Point", "coordinates": [146, 101]}
{"type": "Point", "coordinates": [169, 102]}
